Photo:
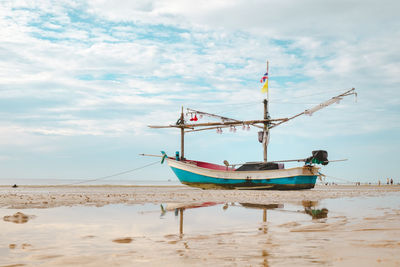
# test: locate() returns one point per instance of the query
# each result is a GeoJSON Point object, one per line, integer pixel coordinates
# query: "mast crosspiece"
{"type": "Point", "coordinates": [267, 123]}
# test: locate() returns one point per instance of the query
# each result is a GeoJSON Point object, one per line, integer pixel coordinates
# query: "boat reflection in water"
{"type": "Point", "coordinates": [223, 226]}
{"type": "Point", "coordinates": [178, 208]}
{"type": "Point", "coordinates": [310, 208]}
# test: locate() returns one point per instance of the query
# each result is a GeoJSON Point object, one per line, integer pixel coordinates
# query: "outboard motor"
{"type": "Point", "coordinates": [318, 157]}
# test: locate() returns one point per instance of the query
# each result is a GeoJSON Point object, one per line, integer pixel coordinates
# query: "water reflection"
{"type": "Point", "coordinates": [263, 207]}
{"type": "Point", "coordinates": [179, 209]}
{"type": "Point", "coordinates": [310, 208]}
{"type": "Point", "coordinates": [218, 233]}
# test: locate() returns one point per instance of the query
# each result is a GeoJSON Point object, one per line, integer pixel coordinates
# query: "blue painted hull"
{"type": "Point", "coordinates": [281, 183]}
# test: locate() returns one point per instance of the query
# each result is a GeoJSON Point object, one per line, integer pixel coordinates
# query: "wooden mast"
{"type": "Point", "coordinates": [182, 123]}
{"type": "Point", "coordinates": [266, 124]}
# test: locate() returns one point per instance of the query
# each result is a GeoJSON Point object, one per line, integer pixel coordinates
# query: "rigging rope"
{"type": "Point", "coordinates": [314, 94]}
{"type": "Point", "coordinates": [335, 178]}
{"type": "Point", "coordinates": [115, 174]}
{"type": "Point", "coordinates": [243, 105]}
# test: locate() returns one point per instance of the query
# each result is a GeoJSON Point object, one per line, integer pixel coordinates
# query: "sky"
{"type": "Point", "coordinates": [80, 81]}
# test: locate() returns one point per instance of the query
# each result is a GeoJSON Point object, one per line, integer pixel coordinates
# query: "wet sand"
{"type": "Point", "coordinates": [56, 196]}
{"type": "Point", "coordinates": [127, 226]}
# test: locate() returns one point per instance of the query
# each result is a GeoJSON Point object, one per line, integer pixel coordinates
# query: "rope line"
{"type": "Point", "coordinates": [336, 178]}
{"type": "Point", "coordinates": [115, 174]}
{"type": "Point", "coordinates": [228, 107]}
{"type": "Point", "coordinates": [313, 94]}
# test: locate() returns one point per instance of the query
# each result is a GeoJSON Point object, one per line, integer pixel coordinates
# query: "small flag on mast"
{"type": "Point", "coordinates": [264, 80]}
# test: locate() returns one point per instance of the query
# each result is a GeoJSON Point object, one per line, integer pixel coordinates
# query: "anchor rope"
{"type": "Point", "coordinates": [115, 174]}
{"type": "Point", "coordinates": [335, 178]}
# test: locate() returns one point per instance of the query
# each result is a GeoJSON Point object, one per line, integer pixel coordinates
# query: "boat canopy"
{"type": "Point", "coordinates": [261, 166]}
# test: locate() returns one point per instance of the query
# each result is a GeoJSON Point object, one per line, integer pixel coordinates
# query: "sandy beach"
{"type": "Point", "coordinates": [56, 196]}
{"type": "Point", "coordinates": [337, 225]}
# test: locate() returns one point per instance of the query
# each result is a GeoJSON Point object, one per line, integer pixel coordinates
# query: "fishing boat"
{"type": "Point", "coordinates": [249, 175]}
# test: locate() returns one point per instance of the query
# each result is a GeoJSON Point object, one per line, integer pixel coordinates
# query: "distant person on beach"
{"type": "Point", "coordinates": [387, 181]}
{"type": "Point", "coordinates": [379, 182]}
{"type": "Point", "coordinates": [391, 181]}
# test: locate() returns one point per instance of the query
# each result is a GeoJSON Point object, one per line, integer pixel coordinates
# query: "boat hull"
{"type": "Point", "coordinates": [280, 179]}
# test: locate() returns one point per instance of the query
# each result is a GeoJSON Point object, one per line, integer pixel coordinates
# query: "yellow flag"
{"type": "Point", "coordinates": [264, 89]}
{"type": "Point", "coordinates": [264, 79]}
